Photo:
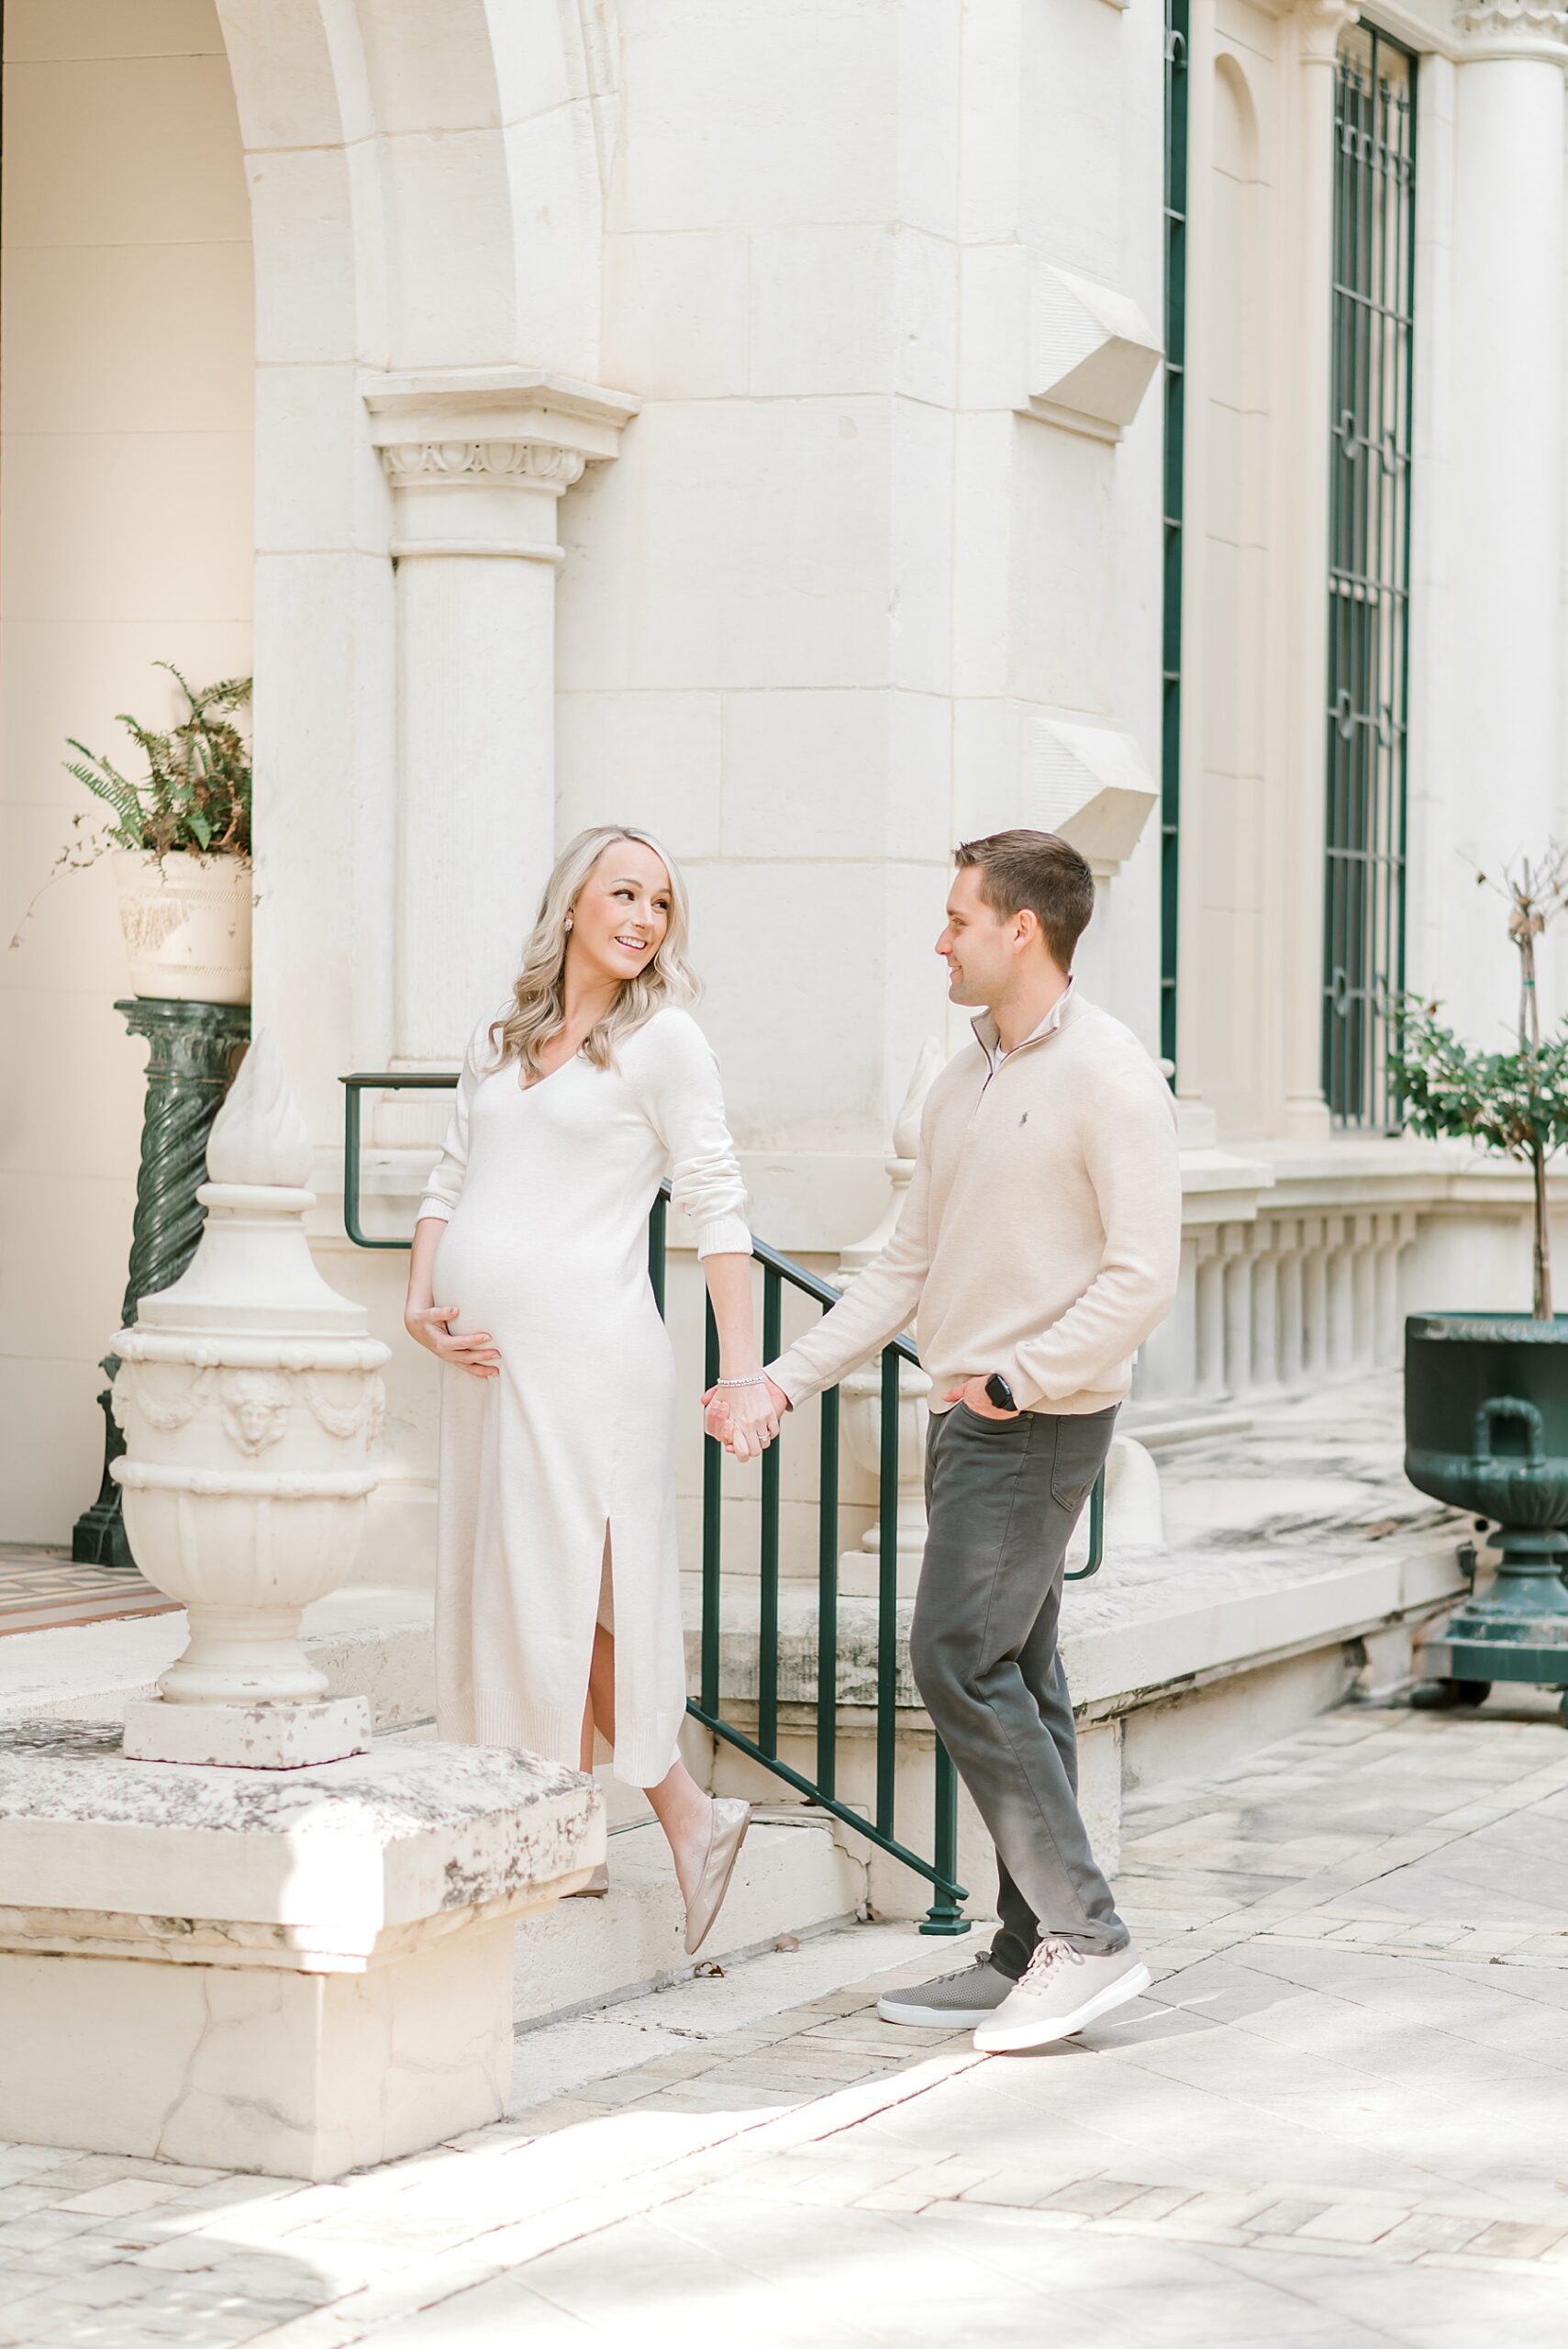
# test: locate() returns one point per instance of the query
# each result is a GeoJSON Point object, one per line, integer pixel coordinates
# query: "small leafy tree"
{"type": "Point", "coordinates": [1516, 1101]}
{"type": "Point", "coordinates": [195, 795]}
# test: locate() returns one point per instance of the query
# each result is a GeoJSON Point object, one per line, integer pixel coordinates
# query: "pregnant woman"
{"type": "Point", "coordinates": [558, 1609]}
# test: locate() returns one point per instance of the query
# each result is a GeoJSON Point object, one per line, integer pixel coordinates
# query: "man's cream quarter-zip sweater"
{"type": "Point", "coordinates": [1042, 1233]}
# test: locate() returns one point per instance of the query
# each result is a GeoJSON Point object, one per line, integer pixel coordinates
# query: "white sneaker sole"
{"type": "Point", "coordinates": [1000, 2038]}
{"type": "Point", "coordinates": [933, 2018]}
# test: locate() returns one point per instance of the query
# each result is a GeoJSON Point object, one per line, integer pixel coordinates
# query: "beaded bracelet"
{"type": "Point", "coordinates": [758, 1378]}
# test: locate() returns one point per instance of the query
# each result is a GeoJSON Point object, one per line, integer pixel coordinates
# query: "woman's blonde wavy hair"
{"type": "Point", "coordinates": [538, 1004]}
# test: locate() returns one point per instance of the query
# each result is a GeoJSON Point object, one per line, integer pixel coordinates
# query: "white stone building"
{"type": "Point", "coordinates": [748, 420]}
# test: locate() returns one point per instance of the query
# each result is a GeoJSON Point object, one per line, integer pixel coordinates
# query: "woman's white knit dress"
{"type": "Point", "coordinates": [546, 1192]}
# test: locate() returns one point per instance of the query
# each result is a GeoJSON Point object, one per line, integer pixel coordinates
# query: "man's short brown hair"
{"type": "Point", "coordinates": [1041, 871]}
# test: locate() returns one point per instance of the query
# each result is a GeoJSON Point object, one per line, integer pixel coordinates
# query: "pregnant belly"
{"type": "Point", "coordinates": [540, 1293]}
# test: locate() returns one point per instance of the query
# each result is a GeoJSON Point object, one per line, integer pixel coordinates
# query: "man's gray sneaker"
{"type": "Point", "coordinates": [952, 2001]}
{"type": "Point", "coordinates": [1060, 1990]}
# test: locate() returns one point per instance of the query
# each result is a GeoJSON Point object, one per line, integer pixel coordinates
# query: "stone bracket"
{"type": "Point", "coordinates": [1089, 784]}
{"type": "Point", "coordinates": [1093, 354]}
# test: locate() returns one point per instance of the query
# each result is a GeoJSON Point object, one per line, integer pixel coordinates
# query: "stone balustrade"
{"type": "Point", "coordinates": [1276, 1304]}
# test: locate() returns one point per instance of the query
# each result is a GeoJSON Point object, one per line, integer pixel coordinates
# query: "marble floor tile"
{"type": "Point", "coordinates": [506, 2311]}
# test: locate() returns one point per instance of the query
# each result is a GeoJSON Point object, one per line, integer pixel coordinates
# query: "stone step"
{"type": "Point", "coordinates": [793, 1877]}
{"type": "Point", "coordinates": [559, 2058]}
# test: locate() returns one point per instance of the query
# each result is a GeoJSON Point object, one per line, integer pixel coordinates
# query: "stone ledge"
{"type": "Point", "coordinates": [332, 1857]}
{"type": "Point", "coordinates": [1156, 1623]}
{"type": "Point", "coordinates": [369, 1642]}
{"type": "Point", "coordinates": [290, 1949]}
{"type": "Point", "coordinates": [301, 1972]}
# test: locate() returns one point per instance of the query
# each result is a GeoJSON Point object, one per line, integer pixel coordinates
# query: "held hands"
{"type": "Point", "coordinates": [745, 1419]}
{"type": "Point", "coordinates": [472, 1350]}
{"type": "Point", "coordinates": [971, 1393]}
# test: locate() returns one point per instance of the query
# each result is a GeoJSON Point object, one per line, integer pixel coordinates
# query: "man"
{"type": "Point", "coordinates": [1040, 1241]}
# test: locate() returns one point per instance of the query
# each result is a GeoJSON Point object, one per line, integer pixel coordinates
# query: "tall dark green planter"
{"type": "Point", "coordinates": [1486, 1430]}
{"type": "Point", "coordinates": [194, 1047]}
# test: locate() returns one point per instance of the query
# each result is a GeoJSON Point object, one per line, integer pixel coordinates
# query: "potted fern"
{"type": "Point", "coordinates": [1487, 1394]}
{"type": "Point", "coordinates": [179, 846]}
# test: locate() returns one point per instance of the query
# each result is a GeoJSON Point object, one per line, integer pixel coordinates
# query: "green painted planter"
{"type": "Point", "coordinates": [1486, 1430]}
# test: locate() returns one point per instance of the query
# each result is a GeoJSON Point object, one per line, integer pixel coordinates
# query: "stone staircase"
{"type": "Point", "coordinates": [1298, 1569]}
{"type": "Point", "coordinates": [793, 1878]}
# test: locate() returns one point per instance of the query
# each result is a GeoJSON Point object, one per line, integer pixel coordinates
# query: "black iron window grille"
{"type": "Point", "coordinates": [1369, 574]}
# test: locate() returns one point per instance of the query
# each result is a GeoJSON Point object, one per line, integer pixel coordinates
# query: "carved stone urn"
{"type": "Point", "coordinates": [862, 1389]}
{"type": "Point", "coordinates": [250, 1397]}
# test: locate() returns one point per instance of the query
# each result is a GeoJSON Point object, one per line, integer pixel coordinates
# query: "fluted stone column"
{"type": "Point", "coordinates": [477, 464]}
{"type": "Point", "coordinates": [1507, 384]}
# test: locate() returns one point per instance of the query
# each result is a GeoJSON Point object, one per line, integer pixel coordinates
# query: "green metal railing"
{"type": "Point", "coordinates": [402, 1080]}
{"type": "Point", "coordinates": [1369, 574]}
{"type": "Point", "coordinates": [944, 1916]}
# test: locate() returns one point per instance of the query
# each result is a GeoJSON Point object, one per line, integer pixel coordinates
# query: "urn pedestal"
{"type": "Point", "coordinates": [249, 1396]}
{"type": "Point", "coordinates": [1486, 1430]}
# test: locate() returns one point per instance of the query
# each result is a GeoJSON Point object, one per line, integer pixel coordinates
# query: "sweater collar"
{"type": "Point", "coordinates": [989, 1039]}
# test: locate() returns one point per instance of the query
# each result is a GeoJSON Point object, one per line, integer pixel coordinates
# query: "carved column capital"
{"type": "Point", "coordinates": [478, 457]}
{"type": "Point", "coordinates": [1512, 28]}
{"type": "Point", "coordinates": [1320, 24]}
{"type": "Point", "coordinates": [520, 464]}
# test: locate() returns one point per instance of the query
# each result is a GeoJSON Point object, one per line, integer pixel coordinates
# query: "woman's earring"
{"type": "Point", "coordinates": [568, 921]}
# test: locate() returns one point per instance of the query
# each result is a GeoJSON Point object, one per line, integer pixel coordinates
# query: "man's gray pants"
{"type": "Point", "coordinates": [1002, 1498]}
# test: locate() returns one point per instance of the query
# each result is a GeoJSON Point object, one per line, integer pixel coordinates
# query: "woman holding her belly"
{"type": "Point", "coordinates": [558, 1607]}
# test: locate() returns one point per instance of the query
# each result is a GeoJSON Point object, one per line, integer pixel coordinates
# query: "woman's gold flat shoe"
{"type": "Point", "coordinates": [731, 1819]}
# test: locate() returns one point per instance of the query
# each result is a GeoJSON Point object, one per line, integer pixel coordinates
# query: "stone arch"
{"type": "Point", "coordinates": [1236, 133]}
{"type": "Point", "coordinates": [427, 184]}
{"type": "Point", "coordinates": [427, 180]}
{"type": "Point", "coordinates": [1239, 222]}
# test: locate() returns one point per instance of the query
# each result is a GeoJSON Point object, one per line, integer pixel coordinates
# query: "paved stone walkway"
{"type": "Point", "coordinates": [1339, 2119]}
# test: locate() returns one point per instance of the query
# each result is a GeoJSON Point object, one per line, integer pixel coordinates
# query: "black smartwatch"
{"type": "Point", "coordinates": [997, 1391]}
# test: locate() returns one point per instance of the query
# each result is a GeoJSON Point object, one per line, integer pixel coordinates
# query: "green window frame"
{"type": "Point", "coordinates": [1369, 574]}
{"type": "Point", "coordinates": [1177, 30]}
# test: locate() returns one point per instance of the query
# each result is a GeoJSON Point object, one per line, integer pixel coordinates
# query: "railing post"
{"type": "Point", "coordinates": [887, 1601]}
{"type": "Point", "coordinates": [712, 1548]}
{"type": "Point", "coordinates": [1096, 1557]}
{"type": "Point", "coordinates": [768, 1601]}
{"type": "Point", "coordinates": [658, 1216]}
{"type": "Point", "coordinates": [944, 1915]}
{"type": "Point", "coordinates": [828, 1596]}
